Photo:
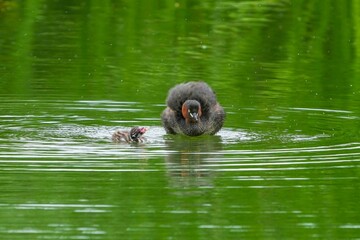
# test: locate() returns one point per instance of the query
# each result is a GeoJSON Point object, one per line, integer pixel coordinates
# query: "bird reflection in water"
{"type": "Point", "coordinates": [187, 165]}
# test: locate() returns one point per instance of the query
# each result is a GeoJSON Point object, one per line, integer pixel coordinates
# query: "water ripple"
{"type": "Point", "coordinates": [53, 138]}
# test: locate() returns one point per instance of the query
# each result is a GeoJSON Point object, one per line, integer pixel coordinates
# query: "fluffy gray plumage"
{"type": "Point", "coordinates": [212, 114]}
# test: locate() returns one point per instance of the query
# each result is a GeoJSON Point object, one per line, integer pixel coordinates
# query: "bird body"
{"type": "Point", "coordinates": [192, 109]}
{"type": "Point", "coordinates": [132, 136]}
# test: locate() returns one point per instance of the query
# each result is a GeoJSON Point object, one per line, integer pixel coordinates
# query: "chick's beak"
{"type": "Point", "coordinates": [143, 130]}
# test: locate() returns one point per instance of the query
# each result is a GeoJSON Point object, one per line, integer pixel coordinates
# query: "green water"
{"type": "Point", "coordinates": [286, 165]}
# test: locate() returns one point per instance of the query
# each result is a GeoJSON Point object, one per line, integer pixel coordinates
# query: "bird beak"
{"type": "Point", "coordinates": [194, 117]}
{"type": "Point", "coordinates": [143, 130]}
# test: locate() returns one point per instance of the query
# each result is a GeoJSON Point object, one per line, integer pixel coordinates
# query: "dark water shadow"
{"type": "Point", "coordinates": [185, 162]}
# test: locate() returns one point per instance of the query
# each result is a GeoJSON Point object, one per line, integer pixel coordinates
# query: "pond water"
{"type": "Point", "coordinates": [286, 165]}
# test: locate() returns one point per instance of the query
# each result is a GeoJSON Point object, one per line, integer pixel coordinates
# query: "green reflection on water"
{"type": "Point", "coordinates": [253, 52]}
{"type": "Point", "coordinates": [286, 165]}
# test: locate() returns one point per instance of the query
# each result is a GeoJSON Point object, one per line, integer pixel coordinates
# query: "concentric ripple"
{"type": "Point", "coordinates": [53, 138]}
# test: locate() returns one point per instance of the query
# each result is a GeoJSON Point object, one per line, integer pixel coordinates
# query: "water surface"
{"type": "Point", "coordinates": [285, 165]}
